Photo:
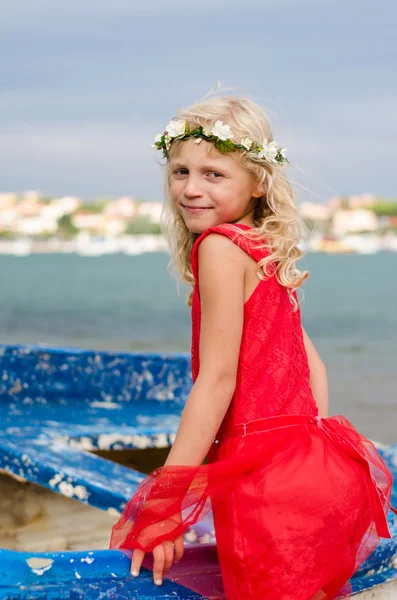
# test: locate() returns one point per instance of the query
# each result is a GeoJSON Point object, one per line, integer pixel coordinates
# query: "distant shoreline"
{"type": "Point", "coordinates": [85, 246]}
{"type": "Point", "coordinates": [136, 244]}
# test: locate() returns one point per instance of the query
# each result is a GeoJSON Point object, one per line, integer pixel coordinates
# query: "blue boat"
{"type": "Point", "coordinates": [72, 423]}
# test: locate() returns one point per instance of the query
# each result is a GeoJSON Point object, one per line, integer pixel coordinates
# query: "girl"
{"type": "Point", "coordinates": [299, 499]}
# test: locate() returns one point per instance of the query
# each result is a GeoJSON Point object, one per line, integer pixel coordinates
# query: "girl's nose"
{"type": "Point", "coordinates": [192, 188]}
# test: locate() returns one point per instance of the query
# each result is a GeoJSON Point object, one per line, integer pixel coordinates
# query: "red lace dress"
{"type": "Point", "coordinates": [299, 501]}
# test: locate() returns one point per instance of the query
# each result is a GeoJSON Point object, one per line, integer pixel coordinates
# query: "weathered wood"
{"type": "Point", "coordinates": [33, 519]}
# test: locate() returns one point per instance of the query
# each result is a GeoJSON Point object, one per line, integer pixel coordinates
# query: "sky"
{"type": "Point", "coordinates": [85, 85]}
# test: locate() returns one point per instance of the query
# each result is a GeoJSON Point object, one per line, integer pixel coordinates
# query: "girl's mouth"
{"type": "Point", "coordinates": [196, 209]}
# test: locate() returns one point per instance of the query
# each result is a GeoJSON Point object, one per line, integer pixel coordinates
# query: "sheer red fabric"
{"type": "Point", "coordinates": [299, 501]}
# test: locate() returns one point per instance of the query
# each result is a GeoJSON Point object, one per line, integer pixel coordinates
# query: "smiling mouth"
{"type": "Point", "coordinates": [197, 207]}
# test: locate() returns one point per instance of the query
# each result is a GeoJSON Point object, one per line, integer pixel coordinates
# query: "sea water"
{"type": "Point", "coordinates": [118, 302]}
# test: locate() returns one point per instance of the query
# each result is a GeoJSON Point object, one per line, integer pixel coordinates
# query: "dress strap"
{"type": "Point", "coordinates": [232, 232]}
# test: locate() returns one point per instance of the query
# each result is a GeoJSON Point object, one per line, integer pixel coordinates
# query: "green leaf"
{"type": "Point", "coordinates": [224, 145]}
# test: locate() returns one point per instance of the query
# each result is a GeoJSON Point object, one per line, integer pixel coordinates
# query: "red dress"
{"type": "Point", "coordinates": [299, 501]}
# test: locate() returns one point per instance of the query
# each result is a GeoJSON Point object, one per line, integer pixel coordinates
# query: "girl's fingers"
{"type": "Point", "coordinates": [179, 548]}
{"type": "Point", "coordinates": [169, 554]}
{"type": "Point", "coordinates": [136, 561]}
{"type": "Point", "coordinates": [163, 556]}
{"type": "Point", "coordinates": [158, 564]}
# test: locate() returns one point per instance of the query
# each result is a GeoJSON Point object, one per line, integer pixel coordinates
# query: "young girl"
{"type": "Point", "coordinates": [299, 499]}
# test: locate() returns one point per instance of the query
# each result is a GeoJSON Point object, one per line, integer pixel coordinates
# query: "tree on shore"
{"type": "Point", "coordinates": [96, 206]}
{"type": "Point", "coordinates": [385, 209]}
{"type": "Point", "coordinates": [66, 229]}
{"type": "Point", "coordinates": [142, 224]}
{"type": "Point", "coordinates": [8, 235]}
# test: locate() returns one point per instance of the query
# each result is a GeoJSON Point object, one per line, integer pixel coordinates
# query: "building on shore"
{"type": "Point", "coordinates": [353, 221]}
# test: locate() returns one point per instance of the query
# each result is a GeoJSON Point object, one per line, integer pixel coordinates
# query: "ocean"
{"type": "Point", "coordinates": [131, 303]}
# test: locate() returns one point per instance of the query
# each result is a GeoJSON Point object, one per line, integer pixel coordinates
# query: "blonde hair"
{"type": "Point", "coordinates": [278, 224]}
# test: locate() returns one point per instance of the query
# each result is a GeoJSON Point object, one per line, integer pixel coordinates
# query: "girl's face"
{"type": "Point", "coordinates": [210, 189]}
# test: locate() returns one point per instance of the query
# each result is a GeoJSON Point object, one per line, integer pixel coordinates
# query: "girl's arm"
{"type": "Point", "coordinates": [318, 376]}
{"type": "Point", "coordinates": [221, 277]}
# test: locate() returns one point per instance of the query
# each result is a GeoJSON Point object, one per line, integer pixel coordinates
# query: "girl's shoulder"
{"type": "Point", "coordinates": [233, 232]}
{"type": "Point", "coordinates": [227, 229]}
{"type": "Point", "coordinates": [224, 229]}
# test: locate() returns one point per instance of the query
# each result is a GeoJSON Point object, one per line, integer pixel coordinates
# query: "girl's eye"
{"type": "Point", "coordinates": [184, 171]}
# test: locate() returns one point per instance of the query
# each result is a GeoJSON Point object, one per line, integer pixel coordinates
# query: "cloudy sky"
{"type": "Point", "coordinates": [86, 84]}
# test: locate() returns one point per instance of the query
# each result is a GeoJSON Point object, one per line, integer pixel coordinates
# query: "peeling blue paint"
{"type": "Point", "coordinates": [55, 407]}
{"type": "Point", "coordinates": [105, 574]}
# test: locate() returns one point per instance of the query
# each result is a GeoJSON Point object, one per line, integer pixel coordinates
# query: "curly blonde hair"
{"type": "Point", "coordinates": [278, 224]}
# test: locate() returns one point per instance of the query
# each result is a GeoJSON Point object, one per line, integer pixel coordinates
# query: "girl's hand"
{"type": "Point", "coordinates": [163, 555]}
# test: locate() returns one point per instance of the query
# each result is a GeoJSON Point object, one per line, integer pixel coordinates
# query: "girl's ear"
{"type": "Point", "coordinates": [260, 188]}
{"type": "Point", "coordinates": [259, 192]}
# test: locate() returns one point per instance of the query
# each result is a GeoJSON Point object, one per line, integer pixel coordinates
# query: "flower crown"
{"type": "Point", "coordinates": [221, 136]}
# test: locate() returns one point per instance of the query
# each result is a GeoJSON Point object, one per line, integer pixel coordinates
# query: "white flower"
{"type": "Point", "coordinates": [269, 151]}
{"type": "Point", "coordinates": [207, 132]}
{"type": "Point", "coordinates": [247, 143]}
{"type": "Point", "coordinates": [176, 127]}
{"type": "Point", "coordinates": [167, 140]}
{"type": "Point", "coordinates": [198, 140]}
{"type": "Point", "coordinates": [222, 131]}
{"type": "Point", "coordinates": [156, 140]}
{"type": "Point", "coordinates": [282, 152]}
